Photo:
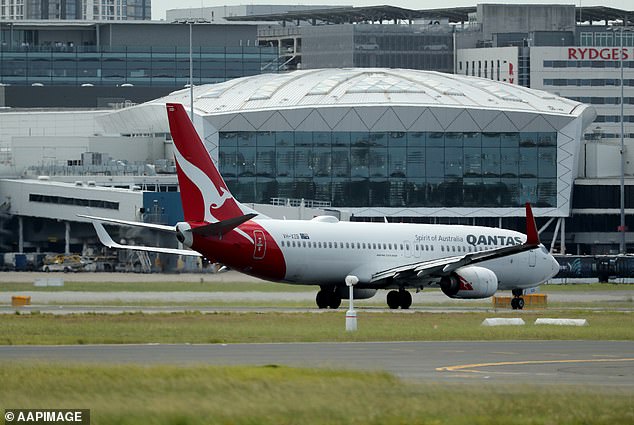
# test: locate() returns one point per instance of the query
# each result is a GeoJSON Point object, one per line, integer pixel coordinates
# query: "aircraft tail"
{"type": "Point", "coordinates": [204, 193]}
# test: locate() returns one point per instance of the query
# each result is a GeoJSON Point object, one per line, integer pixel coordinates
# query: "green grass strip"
{"type": "Point", "coordinates": [194, 395]}
{"type": "Point", "coordinates": [302, 327]}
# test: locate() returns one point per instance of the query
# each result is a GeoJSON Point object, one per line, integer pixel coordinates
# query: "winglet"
{"type": "Point", "coordinates": [532, 237]}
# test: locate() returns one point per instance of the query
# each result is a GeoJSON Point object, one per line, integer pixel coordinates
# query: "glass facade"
{"type": "Point", "coordinates": [392, 169]}
{"type": "Point", "coordinates": [401, 46]}
{"type": "Point", "coordinates": [146, 66]}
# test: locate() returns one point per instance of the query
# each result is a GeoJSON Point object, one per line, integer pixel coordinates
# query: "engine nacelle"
{"type": "Point", "coordinates": [184, 234]}
{"type": "Point", "coordinates": [470, 282]}
{"type": "Point", "coordinates": [359, 293]}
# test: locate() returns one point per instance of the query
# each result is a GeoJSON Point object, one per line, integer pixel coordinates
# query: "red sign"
{"type": "Point", "coordinates": [604, 53]}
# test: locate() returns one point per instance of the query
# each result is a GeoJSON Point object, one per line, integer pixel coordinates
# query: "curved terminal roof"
{"type": "Point", "coordinates": [345, 87]}
{"type": "Point", "coordinates": [366, 87]}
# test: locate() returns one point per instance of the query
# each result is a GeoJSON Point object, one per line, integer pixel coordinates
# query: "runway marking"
{"type": "Point", "coordinates": [470, 367]}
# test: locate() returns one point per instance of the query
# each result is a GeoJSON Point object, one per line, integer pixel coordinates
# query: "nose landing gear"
{"type": "Point", "coordinates": [517, 303]}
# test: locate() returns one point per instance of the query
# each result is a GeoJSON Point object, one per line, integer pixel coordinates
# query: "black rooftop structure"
{"type": "Point", "coordinates": [349, 15]}
{"type": "Point", "coordinates": [602, 13]}
{"type": "Point", "coordinates": [343, 15]}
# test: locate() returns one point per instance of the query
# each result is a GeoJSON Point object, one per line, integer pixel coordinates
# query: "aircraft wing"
{"type": "Point", "coordinates": [445, 266]}
{"type": "Point", "coordinates": [105, 239]}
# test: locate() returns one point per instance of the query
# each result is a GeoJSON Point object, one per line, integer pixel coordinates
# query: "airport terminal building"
{"type": "Point", "coordinates": [406, 144]}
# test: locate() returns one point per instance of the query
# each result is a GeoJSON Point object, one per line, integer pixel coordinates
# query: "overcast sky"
{"type": "Point", "coordinates": [160, 6]}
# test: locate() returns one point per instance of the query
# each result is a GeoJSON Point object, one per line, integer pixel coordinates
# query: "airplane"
{"type": "Point", "coordinates": [464, 261]}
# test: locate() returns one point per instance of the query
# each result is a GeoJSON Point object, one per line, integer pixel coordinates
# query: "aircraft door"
{"type": "Point", "coordinates": [531, 258]}
{"type": "Point", "coordinates": [407, 247]}
{"type": "Point", "coordinates": [259, 249]}
{"type": "Point", "coordinates": [416, 249]}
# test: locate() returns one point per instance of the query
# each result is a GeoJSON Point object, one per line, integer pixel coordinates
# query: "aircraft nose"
{"type": "Point", "coordinates": [554, 265]}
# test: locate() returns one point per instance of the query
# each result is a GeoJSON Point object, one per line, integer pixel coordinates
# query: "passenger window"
{"type": "Point", "coordinates": [319, 244]}
{"type": "Point", "coordinates": [384, 246]}
{"type": "Point", "coordinates": [363, 245]}
{"type": "Point", "coordinates": [442, 248]}
{"type": "Point", "coordinates": [293, 244]}
{"type": "Point", "coordinates": [329, 244]}
{"type": "Point", "coordinates": [407, 247]}
{"type": "Point", "coordinates": [401, 246]}
{"type": "Point", "coordinates": [389, 246]}
{"type": "Point", "coordinates": [453, 248]}
{"type": "Point", "coordinates": [358, 245]}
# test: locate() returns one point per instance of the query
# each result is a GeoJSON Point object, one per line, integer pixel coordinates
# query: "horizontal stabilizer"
{"type": "Point", "coordinates": [160, 227]}
{"type": "Point", "coordinates": [222, 227]}
{"type": "Point", "coordinates": [105, 239]}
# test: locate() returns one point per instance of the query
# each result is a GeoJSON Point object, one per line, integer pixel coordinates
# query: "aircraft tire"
{"type": "Point", "coordinates": [322, 299]}
{"type": "Point", "coordinates": [517, 292]}
{"type": "Point", "coordinates": [335, 300]}
{"type": "Point", "coordinates": [405, 298]}
{"type": "Point", "coordinates": [520, 303]}
{"type": "Point", "coordinates": [393, 300]}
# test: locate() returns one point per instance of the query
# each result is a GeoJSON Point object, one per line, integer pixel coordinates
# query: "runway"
{"type": "Point", "coordinates": [587, 363]}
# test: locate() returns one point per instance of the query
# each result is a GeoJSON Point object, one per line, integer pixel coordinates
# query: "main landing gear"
{"type": "Point", "coordinates": [328, 297]}
{"type": "Point", "coordinates": [517, 303]}
{"type": "Point", "coordinates": [400, 298]}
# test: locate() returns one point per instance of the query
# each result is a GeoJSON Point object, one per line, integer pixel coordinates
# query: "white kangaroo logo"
{"type": "Point", "coordinates": [221, 198]}
{"type": "Point", "coordinates": [207, 188]}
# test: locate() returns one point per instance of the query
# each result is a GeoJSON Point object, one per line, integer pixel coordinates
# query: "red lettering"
{"type": "Point", "coordinates": [604, 53]}
{"type": "Point", "coordinates": [615, 54]}
{"type": "Point", "coordinates": [510, 68]}
{"type": "Point", "coordinates": [572, 53]}
{"type": "Point", "coordinates": [511, 80]}
{"type": "Point", "coordinates": [583, 53]}
{"type": "Point", "coordinates": [624, 54]}
{"type": "Point", "coordinates": [593, 53]}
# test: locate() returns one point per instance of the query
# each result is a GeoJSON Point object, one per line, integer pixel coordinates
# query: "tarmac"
{"type": "Point", "coordinates": [582, 363]}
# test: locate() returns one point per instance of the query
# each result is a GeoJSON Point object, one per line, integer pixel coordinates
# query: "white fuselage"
{"type": "Point", "coordinates": [324, 253]}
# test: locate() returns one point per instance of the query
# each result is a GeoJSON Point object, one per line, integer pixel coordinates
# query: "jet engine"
{"type": "Point", "coordinates": [184, 234]}
{"type": "Point", "coordinates": [470, 282]}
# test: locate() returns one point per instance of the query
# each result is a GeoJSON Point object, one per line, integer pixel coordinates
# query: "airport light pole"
{"type": "Point", "coordinates": [191, 22]}
{"type": "Point", "coordinates": [622, 227]}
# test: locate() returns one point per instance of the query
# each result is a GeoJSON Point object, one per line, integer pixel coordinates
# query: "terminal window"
{"type": "Point", "coordinates": [393, 169]}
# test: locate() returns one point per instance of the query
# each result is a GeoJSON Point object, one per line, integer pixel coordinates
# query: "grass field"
{"type": "Point", "coordinates": [303, 327]}
{"type": "Point", "coordinates": [280, 395]}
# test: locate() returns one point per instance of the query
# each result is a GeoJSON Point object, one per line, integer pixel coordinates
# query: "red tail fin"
{"type": "Point", "coordinates": [532, 236]}
{"type": "Point", "coordinates": [204, 194]}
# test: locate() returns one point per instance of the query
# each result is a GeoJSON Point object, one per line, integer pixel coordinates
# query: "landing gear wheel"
{"type": "Point", "coordinates": [517, 303]}
{"type": "Point", "coordinates": [520, 303]}
{"type": "Point", "coordinates": [393, 300]}
{"type": "Point", "coordinates": [335, 300]}
{"type": "Point", "coordinates": [322, 299]}
{"type": "Point", "coordinates": [405, 298]}
{"type": "Point", "coordinates": [517, 292]}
